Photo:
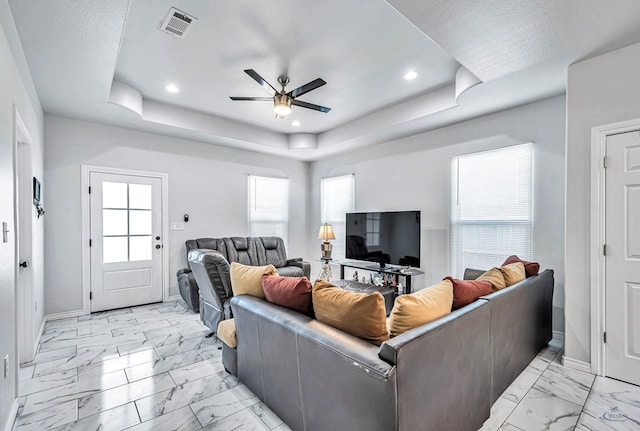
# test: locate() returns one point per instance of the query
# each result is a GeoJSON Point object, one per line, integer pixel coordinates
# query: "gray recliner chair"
{"type": "Point", "coordinates": [209, 266]}
{"type": "Point", "coordinates": [212, 273]}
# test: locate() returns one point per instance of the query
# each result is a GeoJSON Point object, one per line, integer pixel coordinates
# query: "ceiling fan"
{"type": "Point", "coordinates": [282, 100]}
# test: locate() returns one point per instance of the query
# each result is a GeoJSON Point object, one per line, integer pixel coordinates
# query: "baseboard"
{"type": "Point", "coordinates": [39, 336]}
{"type": "Point", "coordinates": [64, 315]}
{"type": "Point", "coordinates": [576, 364]}
{"type": "Point", "coordinates": [558, 335]}
{"type": "Point", "coordinates": [12, 416]}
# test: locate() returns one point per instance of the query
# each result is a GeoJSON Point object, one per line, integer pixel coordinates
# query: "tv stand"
{"type": "Point", "coordinates": [395, 271]}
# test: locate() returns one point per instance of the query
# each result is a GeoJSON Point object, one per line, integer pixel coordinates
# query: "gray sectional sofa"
{"type": "Point", "coordinates": [444, 375]}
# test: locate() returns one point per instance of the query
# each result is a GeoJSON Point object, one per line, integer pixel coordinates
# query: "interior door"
{"type": "Point", "coordinates": [622, 261]}
{"type": "Point", "coordinates": [26, 309]}
{"type": "Point", "coordinates": [126, 244]}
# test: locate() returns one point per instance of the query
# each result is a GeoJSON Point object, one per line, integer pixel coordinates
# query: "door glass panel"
{"type": "Point", "coordinates": [114, 249]}
{"type": "Point", "coordinates": [114, 195]}
{"type": "Point", "coordinates": [139, 222]}
{"type": "Point", "coordinates": [140, 196]}
{"type": "Point", "coordinates": [114, 222]}
{"type": "Point", "coordinates": [140, 248]}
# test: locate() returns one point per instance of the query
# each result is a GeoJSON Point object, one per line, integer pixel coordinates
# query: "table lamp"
{"type": "Point", "coordinates": [326, 233]}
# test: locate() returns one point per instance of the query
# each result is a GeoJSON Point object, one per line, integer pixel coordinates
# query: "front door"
{"type": "Point", "coordinates": [622, 261]}
{"type": "Point", "coordinates": [126, 244]}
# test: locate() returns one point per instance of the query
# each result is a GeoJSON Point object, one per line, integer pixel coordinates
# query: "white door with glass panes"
{"type": "Point", "coordinates": [126, 243]}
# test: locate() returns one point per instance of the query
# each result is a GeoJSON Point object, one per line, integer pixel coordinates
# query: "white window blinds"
{"type": "Point", "coordinates": [269, 207]}
{"type": "Point", "coordinates": [491, 207]}
{"type": "Point", "coordinates": [337, 199]}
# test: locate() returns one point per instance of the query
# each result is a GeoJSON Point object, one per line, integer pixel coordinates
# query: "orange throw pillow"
{"type": "Point", "coordinates": [359, 314]}
{"type": "Point", "coordinates": [513, 273]}
{"type": "Point", "coordinates": [424, 306]}
{"type": "Point", "coordinates": [495, 277]}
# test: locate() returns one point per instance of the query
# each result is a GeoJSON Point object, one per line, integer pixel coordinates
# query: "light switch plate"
{"type": "Point", "coordinates": [177, 226]}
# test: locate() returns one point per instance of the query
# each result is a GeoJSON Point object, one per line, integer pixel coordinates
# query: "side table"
{"type": "Point", "coordinates": [325, 272]}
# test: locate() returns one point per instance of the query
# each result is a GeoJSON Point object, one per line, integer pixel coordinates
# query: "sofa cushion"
{"type": "Point", "coordinates": [359, 314]}
{"type": "Point", "coordinates": [290, 292]}
{"type": "Point", "coordinates": [467, 291]}
{"type": "Point", "coordinates": [423, 306]}
{"type": "Point", "coordinates": [513, 273]}
{"type": "Point", "coordinates": [247, 280]}
{"type": "Point", "coordinates": [530, 268]}
{"type": "Point", "coordinates": [495, 277]}
{"type": "Point", "coordinates": [227, 333]}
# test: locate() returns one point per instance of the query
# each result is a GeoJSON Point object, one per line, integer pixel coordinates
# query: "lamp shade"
{"type": "Point", "coordinates": [326, 232]}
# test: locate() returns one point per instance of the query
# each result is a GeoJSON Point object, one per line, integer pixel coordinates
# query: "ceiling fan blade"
{"type": "Point", "coordinates": [260, 80]}
{"type": "Point", "coordinates": [310, 106]}
{"type": "Point", "coordinates": [265, 99]}
{"type": "Point", "coordinates": [306, 88]}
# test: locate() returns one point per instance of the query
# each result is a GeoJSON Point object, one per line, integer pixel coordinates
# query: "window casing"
{"type": "Point", "coordinates": [337, 199]}
{"type": "Point", "coordinates": [491, 207]}
{"type": "Point", "coordinates": [269, 207]}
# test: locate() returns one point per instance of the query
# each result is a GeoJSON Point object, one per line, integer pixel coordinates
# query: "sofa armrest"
{"type": "Point", "coordinates": [389, 350]}
{"type": "Point", "coordinates": [442, 364]}
{"type": "Point", "coordinates": [306, 266]}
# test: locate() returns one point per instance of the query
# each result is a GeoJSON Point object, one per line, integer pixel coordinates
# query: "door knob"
{"type": "Point", "coordinates": [158, 246]}
{"type": "Point", "coordinates": [157, 238]}
{"type": "Point", "coordinates": [24, 264]}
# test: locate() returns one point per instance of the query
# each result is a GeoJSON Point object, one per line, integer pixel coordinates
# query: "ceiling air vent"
{"type": "Point", "coordinates": [178, 23]}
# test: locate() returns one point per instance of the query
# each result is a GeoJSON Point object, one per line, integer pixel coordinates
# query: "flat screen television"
{"type": "Point", "coordinates": [391, 237]}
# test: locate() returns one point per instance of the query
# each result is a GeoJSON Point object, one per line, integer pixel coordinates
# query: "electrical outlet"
{"type": "Point", "coordinates": [6, 366]}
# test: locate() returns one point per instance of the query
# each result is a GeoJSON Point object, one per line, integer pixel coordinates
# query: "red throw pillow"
{"type": "Point", "coordinates": [467, 291]}
{"type": "Point", "coordinates": [290, 292]}
{"type": "Point", "coordinates": [530, 268]}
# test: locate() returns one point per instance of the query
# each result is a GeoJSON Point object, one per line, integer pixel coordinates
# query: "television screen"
{"type": "Point", "coordinates": [384, 237]}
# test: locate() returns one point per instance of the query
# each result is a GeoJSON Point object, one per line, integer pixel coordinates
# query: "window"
{"type": "Point", "coordinates": [491, 207]}
{"type": "Point", "coordinates": [126, 222]}
{"type": "Point", "coordinates": [373, 229]}
{"type": "Point", "coordinates": [337, 197]}
{"type": "Point", "coordinates": [269, 207]}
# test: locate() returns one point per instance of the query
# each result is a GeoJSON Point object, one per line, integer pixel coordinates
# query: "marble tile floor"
{"type": "Point", "coordinates": [151, 368]}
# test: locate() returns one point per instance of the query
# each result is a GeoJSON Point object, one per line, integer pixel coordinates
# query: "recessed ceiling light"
{"type": "Point", "coordinates": [172, 88]}
{"type": "Point", "coordinates": [296, 123]}
{"type": "Point", "coordinates": [412, 74]}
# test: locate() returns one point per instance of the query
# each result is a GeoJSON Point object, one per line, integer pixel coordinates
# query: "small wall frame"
{"type": "Point", "coordinates": [36, 191]}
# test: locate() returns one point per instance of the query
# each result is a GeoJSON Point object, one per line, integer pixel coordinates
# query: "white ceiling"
{"type": "Point", "coordinates": [84, 53]}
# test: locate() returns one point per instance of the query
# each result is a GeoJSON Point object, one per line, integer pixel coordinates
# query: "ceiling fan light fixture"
{"type": "Point", "coordinates": [281, 105]}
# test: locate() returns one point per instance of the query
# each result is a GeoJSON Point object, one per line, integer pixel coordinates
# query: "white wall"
{"type": "Point", "coordinates": [413, 173]}
{"type": "Point", "coordinates": [208, 182]}
{"type": "Point", "coordinates": [600, 91]}
{"type": "Point", "coordinates": [16, 89]}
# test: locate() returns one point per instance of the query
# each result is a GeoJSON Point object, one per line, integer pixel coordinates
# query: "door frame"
{"type": "Point", "coordinates": [86, 226]}
{"type": "Point", "coordinates": [26, 343]}
{"type": "Point", "coordinates": [599, 135]}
